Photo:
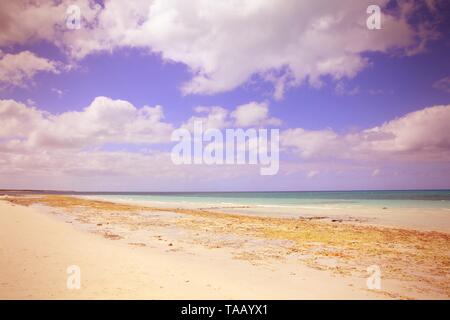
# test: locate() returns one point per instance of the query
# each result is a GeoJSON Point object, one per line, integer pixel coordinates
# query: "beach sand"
{"type": "Point", "coordinates": [130, 252]}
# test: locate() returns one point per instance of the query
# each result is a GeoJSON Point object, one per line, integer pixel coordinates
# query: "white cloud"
{"type": "Point", "coordinates": [224, 43]}
{"type": "Point", "coordinates": [18, 120]}
{"type": "Point", "coordinates": [313, 144]}
{"type": "Point", "coordinates": [211, 117]}
{"type": "Point", "coordinates": [43, 150]}
{"type": "Point", "coordinates": [75, 146]}
{"type": "Point", "coordinates": [17, 69]}
{"type": "Point", "coordinates": [253, 114]}
{"type": "Point", "coordinates": [421, 135]}
{"type": "Point", "coordinates": [103, 121]}
{"type": "Point", "coordinates": [110, 139]}
{"type": "Point", "coordinates": [35, 141]}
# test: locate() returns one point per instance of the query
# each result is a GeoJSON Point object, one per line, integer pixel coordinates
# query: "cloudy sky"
{"type": "Point", "coordinates": [93, 108]}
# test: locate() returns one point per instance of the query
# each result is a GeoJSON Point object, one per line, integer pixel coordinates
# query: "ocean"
{"type": "Point", "coordinates": [378, 198]}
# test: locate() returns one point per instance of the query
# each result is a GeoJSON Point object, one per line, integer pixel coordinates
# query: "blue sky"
{"type": "Point", "coordinates": [390, 87]}
{"type": "Point", "coordinates": [334, 94]}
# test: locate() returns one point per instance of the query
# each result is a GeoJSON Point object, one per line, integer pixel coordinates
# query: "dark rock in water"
{"type": "Point", "coordinates": [384, 208]}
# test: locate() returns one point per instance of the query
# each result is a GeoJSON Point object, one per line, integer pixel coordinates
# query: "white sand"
{"type": "Point", "coordinates": [36, 250]}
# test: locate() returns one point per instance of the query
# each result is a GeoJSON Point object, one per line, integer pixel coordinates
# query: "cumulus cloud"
{"type": "Point", "coordinates": [225, 43]}
{"type": "Point", "coordinates": [17, 69]}
{"type": "Point", "coordinates": [97, 142]}
{"type": "Point", "coordinates": [312, 144]}
{"type": "Point", "coordinates": [43, 150]}
{"type": "Point", "coordinates": [252, 114]}
{"type": "Point", "coordinates": [109, 138]}
{"type": "Point", "coordinates": [18, 120]}
{"type": "Point", "coordinates": [104, 121]}
{"type": "Point", "coordinates": [417, 136]}
{"type": "Point", "coordinates": [77, 145]}
{"type": "Point", "coordinates": [214, 117]}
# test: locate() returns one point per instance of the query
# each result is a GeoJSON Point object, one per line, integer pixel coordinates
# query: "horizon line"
{"type": "Point", "coordinates": [237, 191]}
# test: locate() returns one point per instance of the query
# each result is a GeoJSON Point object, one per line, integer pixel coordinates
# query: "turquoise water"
{"type": "Point", "coordinates": [407, 198]}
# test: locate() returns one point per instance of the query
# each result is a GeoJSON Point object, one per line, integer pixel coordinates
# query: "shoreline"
{"type": "Point", "coordinates": [207, 245]}
{"type": "Point", "coordinates": [420, 219]}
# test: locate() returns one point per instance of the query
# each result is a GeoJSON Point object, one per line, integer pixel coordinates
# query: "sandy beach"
{"type": "Point", "coordinates": [227, 150]}
{"type": "Point", "coordinates": [126, 251]}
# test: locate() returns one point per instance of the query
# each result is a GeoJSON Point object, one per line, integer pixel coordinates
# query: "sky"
{"type": "Point", "coordinates": [91, 92]}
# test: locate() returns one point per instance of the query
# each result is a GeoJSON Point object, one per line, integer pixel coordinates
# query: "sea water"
{"type": "Point", "coordinates": [375, 198]}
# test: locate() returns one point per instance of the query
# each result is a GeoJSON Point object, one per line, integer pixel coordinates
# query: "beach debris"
{"type": "Point", "coordinates": [137, 244]}
{"type": "Point", "coordinates": [112, 236]}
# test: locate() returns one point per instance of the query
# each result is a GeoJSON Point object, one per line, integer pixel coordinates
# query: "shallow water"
{"type": "Point", "coordinates": [324, 199]}
{"type": "Point", "coordinates": [421, 210]}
